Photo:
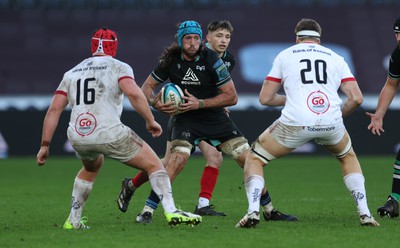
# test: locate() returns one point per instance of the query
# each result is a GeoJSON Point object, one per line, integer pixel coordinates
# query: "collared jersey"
{"type": "Point", "coordinates": [95, 99]}
{"type": "Point", "coordinates": [310, 75]}
{"type": "Point", "coordinates": [394, 64]}
{"type": "Point", "coordinates": [202, 77]}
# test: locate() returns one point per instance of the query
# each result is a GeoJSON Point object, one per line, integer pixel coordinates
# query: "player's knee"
{"type": "Point", "coordinates": [182, 146]}
{"type": "Point", "coordinates": [177, 162]}
{"type": "Point", "coordinates": [93, 166]}
{"type": "Point", "coordinates": [214, 159]}
{"type": "Point", "coordinates": [235, 147]}
{"type": "Point", "coordinates": [259, 152]}
{"type": "Point", "coordinates": [347, 151]}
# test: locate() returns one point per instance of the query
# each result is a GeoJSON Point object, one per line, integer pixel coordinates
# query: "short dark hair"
{"type": "Point", "coordinates": [308, 24]}
{"type": "Point", "coordinates": [216, 24]}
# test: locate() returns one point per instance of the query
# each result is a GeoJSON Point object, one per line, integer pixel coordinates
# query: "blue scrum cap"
{"type": "Point", "coordinates": [188, 27]}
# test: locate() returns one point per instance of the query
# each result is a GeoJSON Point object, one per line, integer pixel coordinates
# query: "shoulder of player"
{"type": "Point", "coordinates": [208, 53]}
{"type": "Point", "coordinates": [78, 67]}
{"type": "Point", "coordinates": [396, 53]}
{"type": "Point", "coordinates": [228, 56]}
{"type": "Point", "coordinates": [210, 57]}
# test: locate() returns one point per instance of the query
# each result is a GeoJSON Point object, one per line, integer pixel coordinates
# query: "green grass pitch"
{"type": "Point", "coordinates": [35, 201]}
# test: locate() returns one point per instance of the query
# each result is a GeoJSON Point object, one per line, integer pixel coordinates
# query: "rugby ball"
{"type": "Point", "coordinates": [172, 93]}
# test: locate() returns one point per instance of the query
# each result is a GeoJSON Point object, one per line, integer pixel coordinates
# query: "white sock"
{"type": "Point", "coordinates": [268, 208]}
{"type": "Point", "coordinates": [161, 185]}
{"type": "Point", "coordinates": [254, 185]}
{"type": "Point", "coordinates": [147, 209]}
{"type": "Point", "coordinates": [80, 194]}
{"type": "Point", "coordinates": [203, 202]}
{"type": "Point", "coordinates": [355, 184]}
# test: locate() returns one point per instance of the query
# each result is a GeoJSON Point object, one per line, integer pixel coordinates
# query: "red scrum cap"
{"type": "Point", "coordinates": [105, 41]}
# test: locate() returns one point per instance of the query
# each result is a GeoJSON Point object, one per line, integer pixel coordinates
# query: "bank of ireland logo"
{"type": "Point", "coordinates": [318, 102]}
{"type": "Point", "coordinates": [85, 124]}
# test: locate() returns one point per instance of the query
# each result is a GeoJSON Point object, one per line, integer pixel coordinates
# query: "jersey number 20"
{"type": "Point", "coordinates": [319, 69]}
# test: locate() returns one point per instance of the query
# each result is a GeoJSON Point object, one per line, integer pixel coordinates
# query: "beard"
{"type": "Point", "coordinates": [191, 53]}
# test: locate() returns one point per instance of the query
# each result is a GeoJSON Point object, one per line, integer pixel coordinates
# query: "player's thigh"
{"type": "Point", "coordinates": [270, 143]}
{"type": "Point", "coordinates": [341, 146]}
{"type": "Point", "coordinates": [146, 159]}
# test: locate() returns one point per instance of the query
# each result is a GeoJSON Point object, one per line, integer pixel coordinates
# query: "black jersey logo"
{"type": "Point", "coordinates": [190, 78]}
{"type": "Point", "coordinates": [200, 67]}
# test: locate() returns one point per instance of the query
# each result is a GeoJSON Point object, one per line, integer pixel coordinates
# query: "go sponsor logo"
{"type": "Point", "coordinates": [318, 102]}
{"type": "Point", "coordinates": [85, 124]}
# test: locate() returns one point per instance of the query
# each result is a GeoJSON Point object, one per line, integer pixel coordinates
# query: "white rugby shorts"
{"type": "Point", "coordinates": [296, 136]}
{"type": "Point", "coordinates": [123, 149]}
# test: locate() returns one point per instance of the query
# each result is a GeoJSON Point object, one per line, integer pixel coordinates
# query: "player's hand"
{"type": "Point", "coordinates": [154, 128]}
{"type": "Point", "coordinates": [168, 108]}
{"type": "Point", "coordinates": [191, 102]}
{"type": "Point", "coordinates": [376, 125]}
{"type": "Point", "coordinates": [42, 155]}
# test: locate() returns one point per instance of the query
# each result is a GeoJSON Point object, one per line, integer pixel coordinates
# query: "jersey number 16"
{"type": "Point", "coordinates": [88, 93]}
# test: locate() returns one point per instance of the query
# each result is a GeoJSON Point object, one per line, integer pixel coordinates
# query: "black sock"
{"type": "Point", "coordinates": [153, 200]}
{"type": "Point", "coordinates": [396, 177]}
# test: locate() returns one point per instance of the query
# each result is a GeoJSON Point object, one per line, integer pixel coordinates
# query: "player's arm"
{"type": "Point", "coordinates": [139, 102]}
{"type": "Point", "coordinates": [50, 123]}
{"type": "Point", "coordinates": [354, 97]}
{"type": "Point", "coordinates": [385, 98]}
{"type": "Point", "coordinates": [269, 94]}
{"type": "Point", "coordinates": [227, 97]}
{"type": "Point", "coordinates": [148, 89]}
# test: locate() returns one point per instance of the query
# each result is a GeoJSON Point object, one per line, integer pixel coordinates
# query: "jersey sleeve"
{"type": "Point", "coordinates": [125, 71]}
{"type": "Point", "coordinates": [275, 74]}
{"type": "Point", "coordinates": [347, 75]}
{"type": "Point", "coordinates": [160, 74]}
{"type": "Point", "coordinates": [63, 86]}
{"type": "Point", "coordinates": [222, 72]}
{"type": "Point", "coordinates": [394, 64]}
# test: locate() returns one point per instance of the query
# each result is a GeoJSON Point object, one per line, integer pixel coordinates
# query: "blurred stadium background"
{"type": "Point", "coordinates": [41, 39]}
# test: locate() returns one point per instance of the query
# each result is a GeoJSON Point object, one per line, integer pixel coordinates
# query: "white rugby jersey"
{"type": "Point", "coordinates": [311, 75]}
{"type": "Point", "coordinates": [95, 99]}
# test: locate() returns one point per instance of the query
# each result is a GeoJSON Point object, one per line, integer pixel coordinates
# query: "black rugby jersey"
{"type": "Point", "coordinates": [201, 77]}
{"type": "Point", "coordinates": [394, 64]}
{"type": "Point", "coordinates": [227, 57]}
{"type": "Point", "coordinates": [229, 60]}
